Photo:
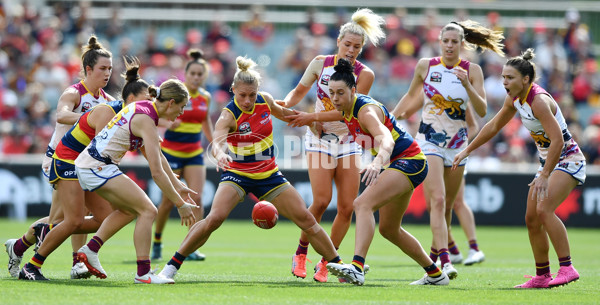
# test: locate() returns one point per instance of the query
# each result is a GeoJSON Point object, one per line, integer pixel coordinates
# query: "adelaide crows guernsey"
{"type": "Point", "coordinates": [443, 118]}
{"type": "Point", "coordinates": [80, 135]}
{"type": "Point", "coordinates": [251, 144]}
{"type": "Point", "coordinates": [185, 140]}
{"type": "Point", "coordinates": [405, 146]}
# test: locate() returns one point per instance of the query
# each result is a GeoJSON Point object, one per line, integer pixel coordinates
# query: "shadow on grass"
{"type": "Point", "coordinates": [82, 283]}
{"type": "Point", "coordinates": [270, 284]}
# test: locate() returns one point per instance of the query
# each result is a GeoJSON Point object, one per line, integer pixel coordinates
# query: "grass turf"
{"type": "Point", "coordinates": [248, 265]}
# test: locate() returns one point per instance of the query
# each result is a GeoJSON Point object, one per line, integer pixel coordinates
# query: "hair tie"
{"type": "Point", "coordinates": [137, 76]}
{"type": "Point", "coordinates": [157, 92]}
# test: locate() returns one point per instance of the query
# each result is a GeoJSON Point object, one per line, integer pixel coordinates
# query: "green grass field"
{"type": "Point", "coordinates": [248, 265]}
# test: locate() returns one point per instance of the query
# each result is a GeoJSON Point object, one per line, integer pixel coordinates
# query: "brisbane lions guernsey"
{"type": "Point", "coordinates": [80, 135]}
{"type": "Point", "coordinates": [324, 101]}
{"type": "Point", "coordinates": [116, 138]}
{"type": "Point", "coordinates": [570, 151]}
{"type": "Point", "coordinates": [251, 144]}
{"type": "Point", "coordinates": [443, 118]}
{"type": "Point", "coordinates": [405, 146]}
{"type": "Point", "coordinates": [87, 100]}
{"type": "Point", "coordinates": [185, 140]}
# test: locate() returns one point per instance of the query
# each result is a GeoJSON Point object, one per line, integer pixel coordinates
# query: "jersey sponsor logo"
{"type": "Point", "coordinates": [325, 80]}
{"type": "Point", "coordinates": [69, 173]}
{"type": "Point", "coordinates": [245, 128]}
{"type": "Point", "coordinates": [231, 178]}
{"type": "Point", "coordinates": [436, 77]}
{"type": "Point", "coordinates": [266, 118]}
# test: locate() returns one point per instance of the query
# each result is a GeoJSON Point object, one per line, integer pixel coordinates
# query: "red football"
{"type": "Point", "coordinates": [264, 215]}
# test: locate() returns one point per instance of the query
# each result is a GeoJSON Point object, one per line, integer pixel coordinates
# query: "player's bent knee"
{"type": "Point", "coordinates": [316, 228]}
{"type": "Point", "coordinates": [213, 222]}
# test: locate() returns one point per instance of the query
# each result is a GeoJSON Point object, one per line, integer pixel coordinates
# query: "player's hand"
{"type": "Point", "coordinates": [462, 75]}
{"type": "Point", "coordinates": [458, 158]}
{"type": "Point", "coordinates": [370, 173]}
{"type": "Point", "coordinates": [186, 213]}
{"type": "Point", "coordinates": [539, 188]}
{"type": "Point", "coordinates": [299, 118]}
{"type": "Point", "coordinates": [281, 103]}
{"type": "Point", "coordinates": [175, 124]}
{"type": "Point", "coordinates": [223, 161]}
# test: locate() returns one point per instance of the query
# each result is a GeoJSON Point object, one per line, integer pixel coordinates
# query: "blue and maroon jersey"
{"type": "Point", "coordinates": [323, 102]}
{"type": "Point", "coordinates": [80, 135]}
{"type": "Point", "coordinates": [251, 144]}
{"type": "Point", "coordinates": [570, 151]}
{"type": "Point", "coordinates": [116, 138]}
{"type": "Point", "coordinates": [405, 148]}
{"type": "Point", "coordinates": [185, 140]}
{"type": "Point", "coordinates": [443, 120]}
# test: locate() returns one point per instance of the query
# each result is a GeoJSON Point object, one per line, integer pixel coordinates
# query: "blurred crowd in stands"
{"type": "Point", "coordinates": [40, 57]}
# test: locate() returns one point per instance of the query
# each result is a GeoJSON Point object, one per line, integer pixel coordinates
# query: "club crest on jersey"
{"type": "Point", "coordinates": [245, 128]}
{"type": "Point", "coordinates": [325, 80]}
{"type": "Point", "coordinates": [86, 106]}
{"type": "Point", "coordinates": [436, 77]}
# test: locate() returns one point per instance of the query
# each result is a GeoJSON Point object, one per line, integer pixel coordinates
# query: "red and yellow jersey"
{"type": "Point", "coordinates": [80, 135]}
{"type": "Point", "coordinates": [405, 146]}
{"type": "Point", "coordinates": [185, 140]}
{"type": "Point", "coordinates": [251, 144]}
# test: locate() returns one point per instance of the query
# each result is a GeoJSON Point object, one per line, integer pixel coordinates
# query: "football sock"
{"type": "Point", "coordinates": [564, 261]}
{"type": "Point", "coordinates": [95, 243]}
{"type": "Point", "coordinates": [444, 256]}
{"type": "Point", "coordinates": [336, 260]}
{"type": "Point", "coordinates": [75, 260]}
{"type": "Point", "coordinates": [37, 260]}
{"type": "Point", "coordinates": [143, 267]}
{"type": "Point", "coordinates": [434, 254]}
{"type": "Point", "coordinates": [302, 247]}
{"type": "Point", "coordinates": [359, 263]}
{"type": "Point", "coordinates": [21, 246]}
{"type": "Point", "coordinates": [542, 268]}
{"type": "Point", "coordinates": [453, 248]}
{"type": "Point", "coordinates": [157, 238]}
{"type": "Point", "coordinates": [433, 271]}
{"type": "Point", "coordinates": [177, 260]}
{"type": "Point", "coordinates": [473, 244]}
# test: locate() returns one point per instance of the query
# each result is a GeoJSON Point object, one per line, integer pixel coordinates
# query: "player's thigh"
{"type": "Point", "coordinates": [433, 185]}
{"type": "Point", "coordinates": [347, 179]}
{"type": "Point", "coordinates": [72, 198]}
{"type": "Point", "coordinates": [320, 177]}
{"type": "Point", "coordinates": [390, 184]}
{"type": "Point", "coordinates": [226, 198]}
{"type": "Point", "coordinates": [290, 204]}
{"type": "Point", "coordinates": [124, 194]}
{"type": "Point", "coordinates": [98, 206]}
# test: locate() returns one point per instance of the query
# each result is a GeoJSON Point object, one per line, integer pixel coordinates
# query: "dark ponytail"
{"type": "Point", "coordinates": [344, 72]}
{"type": "Point", "coordinates": [134, 84]}
{"type": "Point", "coordinates": [197, 57]}
{"type": "Point", "coordinates": [524, 64]}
